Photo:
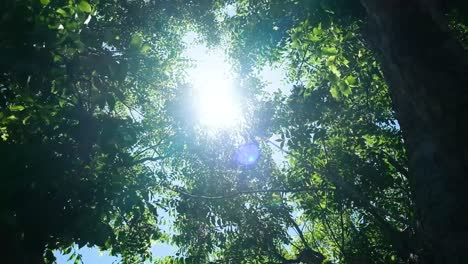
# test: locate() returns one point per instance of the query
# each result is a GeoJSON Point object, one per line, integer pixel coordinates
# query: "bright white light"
{"type": "Point", "coordinates": [214, 95]}
{"type": "Point", "coordinates": [215, 102]}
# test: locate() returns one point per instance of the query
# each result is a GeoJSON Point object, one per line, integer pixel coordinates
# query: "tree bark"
{"type": "Point", "coordinates": [427, 73]}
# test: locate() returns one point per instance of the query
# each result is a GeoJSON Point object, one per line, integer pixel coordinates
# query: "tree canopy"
{"type": "Point", "coordinates": [99, 133]}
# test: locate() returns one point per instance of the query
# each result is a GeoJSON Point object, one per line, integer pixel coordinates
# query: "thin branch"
{"type": "Point", "coordinates": [248, 192]}
{"type": "Point", "coordinates": [346, 187]}
{"type": "Point", "coordinates": [299, 232]}
{"type": "Point", "coordinates": [149, 159]}
{"type": "Point", "coordinates": [396, 164]}
{"type": "Point", "coordinates": [132, 109]}
{"type": "Point", "coordinates": [343, 249]}
{"type": "Point", "coordinates": [299, 71]}
{"type": "Point", "coordinates": [327, 224]}
{"type": "Point", "coordinates": [311, 232]}
{"type": "Point", "coordinates": [148, 148]}
{"type": "Point", "coordinates": [123, 217]}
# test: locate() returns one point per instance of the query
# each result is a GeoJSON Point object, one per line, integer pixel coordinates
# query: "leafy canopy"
{"type": "Point", "coordinates": [97, 139]}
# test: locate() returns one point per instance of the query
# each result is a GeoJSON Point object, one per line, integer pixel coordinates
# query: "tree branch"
{"type": "Point", "coordinates": [299, 232]}
{"type": "Point", "coordinates": [149, 159]}
{"type": "Point", "coordinates": [396, 164]}
{"type": "Point", "coordinates": [346, 187]}
{"type": "Point", "coordinates": [247, 192]}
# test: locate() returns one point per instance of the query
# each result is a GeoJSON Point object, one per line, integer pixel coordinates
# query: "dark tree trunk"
{"type": "Point", "coordinates": [427, 73]}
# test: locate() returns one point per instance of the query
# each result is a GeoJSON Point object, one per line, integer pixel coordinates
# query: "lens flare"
{"type": "Point", "coordinates": [247, 154]}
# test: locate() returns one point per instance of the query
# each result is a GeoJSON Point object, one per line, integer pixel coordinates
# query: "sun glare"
{"type": "Point", "coordinates": [215, 101]}
{"type": "Point", "coordinates": [214, 91]}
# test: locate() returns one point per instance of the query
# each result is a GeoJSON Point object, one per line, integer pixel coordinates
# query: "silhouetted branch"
{"type": "Point", "coordinates": [149, 159]}
{"type": "Point", "coordinates": [247, 192]}
{"type": "Point", "coordinates": [348, 188]}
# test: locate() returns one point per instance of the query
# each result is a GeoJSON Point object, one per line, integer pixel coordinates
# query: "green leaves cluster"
{"type": "Point", "coordinates": [322, 53]}
{"type": "Point", "coordinates": [344, 148]}
{"type": "Point", "coordinates": [76, 78]}
{"type": "Point", "coordinates": [96, 136]}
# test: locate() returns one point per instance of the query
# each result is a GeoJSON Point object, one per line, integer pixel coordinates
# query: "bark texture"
{"type": "Point", "coordinates": [427, 72]}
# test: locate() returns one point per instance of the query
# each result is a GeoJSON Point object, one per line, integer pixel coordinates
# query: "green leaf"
{"type": "Point", "coordinates": [136, 41]}
{"type": "Point", "coordinates": [318, 30]}
{"type": "Point", "coordinates": [335, 70]}
{"type": "Point", "coordinates": [345, 89]}
{"type": "Point", "coordinates": [314, 38]}
{"type": "Point", "coordinates": [16, 108]}
{"type": "Point", "coordinates": [62, 12]}
{"type": "Point", "coordinates": [71, 256]}
{"type": "Point", "coordinates": [335, 92]}
{"type": "Point", "coordinates": [350, 80]}
{"type": "Point", "coordinates": [77, 259]}
{"type": "Point", "coordinates": [331, 59]}
{"type": "Point", "coordinates": [85, 7]}
{"type": "Point", "coordinates": [25, 121]}
{"type": "Point", "coordinates": [145, 48]}
{"type": "Point", "coordinates": [45, 2]}
{"type": "Point", "coordinates": [329, 51]}
{"type": "Point", "coordinates": [67, 250]}
{"type": "Point", "coordinates": [12, 117]}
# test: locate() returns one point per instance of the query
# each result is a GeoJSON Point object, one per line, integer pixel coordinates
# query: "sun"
{"type": "Point", "coordinates": [217, 105]}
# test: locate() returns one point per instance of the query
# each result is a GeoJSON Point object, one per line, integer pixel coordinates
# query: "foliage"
{"type": "Point", "coordinates": [75, 78]}
{"type": "Point", "coordinates": [97, 135]}
{"type": "Point", "coordinates": [344, 147]}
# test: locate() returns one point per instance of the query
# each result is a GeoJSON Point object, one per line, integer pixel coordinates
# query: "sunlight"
{"type": "Point", "coordinates": [215, 103]}
{"type": "Point", "coordinates": [214, 93]}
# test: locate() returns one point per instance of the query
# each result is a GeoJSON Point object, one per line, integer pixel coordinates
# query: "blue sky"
{"type": "Point", "coordinates": [93, 255]}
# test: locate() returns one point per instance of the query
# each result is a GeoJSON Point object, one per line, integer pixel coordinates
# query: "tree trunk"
{"type": "Point", "coordinates": [427, 73]}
